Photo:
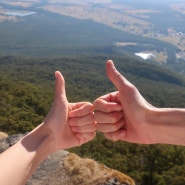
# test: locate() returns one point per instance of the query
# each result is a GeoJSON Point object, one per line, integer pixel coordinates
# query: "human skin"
{"type": "Point", "coordinates": [126, 115]}
{"type": "Point", "coordinates": [22, 159]}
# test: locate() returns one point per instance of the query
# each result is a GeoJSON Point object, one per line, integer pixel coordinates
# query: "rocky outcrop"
{"type": "Point", "coordinates": [64, 168]}
{"type": "Point", "coordinates": [7, 141]}
{"type": "Point", "coordinates": [84, 171]}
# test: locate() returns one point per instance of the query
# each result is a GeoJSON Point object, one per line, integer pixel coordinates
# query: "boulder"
{"type": "Point", "coordinates": [64, 168]}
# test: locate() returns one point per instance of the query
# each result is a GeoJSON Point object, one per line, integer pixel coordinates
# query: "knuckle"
{"type": "Point", "coordinates": [89, 105]}
{"type": "Point", "coordinates": [96, 103]}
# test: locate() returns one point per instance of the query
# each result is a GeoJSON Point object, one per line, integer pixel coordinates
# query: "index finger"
{"type": "Point", "coordinates": [108, 103]}
{"type": "Point", "coordinates": [80, 109]}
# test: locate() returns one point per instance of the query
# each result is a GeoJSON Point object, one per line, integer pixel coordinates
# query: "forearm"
{"type": "Point", "coordinates": [20, 161]}
{"type": "Point", "coordinates": [169, 126]}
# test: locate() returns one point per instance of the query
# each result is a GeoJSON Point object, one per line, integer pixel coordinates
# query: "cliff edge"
{"type": "Point", "coordinates": [64, 168]}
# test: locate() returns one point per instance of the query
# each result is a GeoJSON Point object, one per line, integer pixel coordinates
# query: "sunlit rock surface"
{"type": "Point", "coordinates": [64, 168]}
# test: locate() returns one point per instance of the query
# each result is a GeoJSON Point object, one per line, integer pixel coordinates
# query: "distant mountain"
{"type": "Point", "coordinates": [75, 27]}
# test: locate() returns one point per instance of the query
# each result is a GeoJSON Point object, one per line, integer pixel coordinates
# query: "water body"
{"type": "Point", "coordinates": [19, 13]}
{"type": "Point", "coordinates": [145, 56]}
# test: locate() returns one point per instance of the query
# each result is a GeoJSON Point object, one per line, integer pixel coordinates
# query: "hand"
{"type": "Point", "coordinates": [82, 122]}
{"type": "Point", "coordinates": [63, 114]}
{"type": "Point", "coordinates": [125, 114]}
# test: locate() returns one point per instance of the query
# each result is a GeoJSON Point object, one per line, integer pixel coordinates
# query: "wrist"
{"type": "Point", "coordinates": [154, 122]}
{"type": "Point", "coordinates": [39, 141]}
{"type": "Point", "coordinates": [168, 125]}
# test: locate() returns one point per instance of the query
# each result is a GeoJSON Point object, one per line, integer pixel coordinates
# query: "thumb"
{"type": "Point", "coordinates": [117, 79]}
{"type": "Point", "coordinates": [59, 86]}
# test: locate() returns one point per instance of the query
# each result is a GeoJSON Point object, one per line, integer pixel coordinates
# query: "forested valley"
{"type": "Point", "coordinates": [27, 89]}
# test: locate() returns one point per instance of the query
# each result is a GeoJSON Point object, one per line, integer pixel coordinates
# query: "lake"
{"type": "Point", "coordinates": [145, 56]}
{"type": "Point", "coordinates": [19, 13]}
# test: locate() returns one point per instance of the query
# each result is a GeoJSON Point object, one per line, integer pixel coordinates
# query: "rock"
{"type": "Point", "coordinates": [3, 135]}
{"type": "Point", "coordinates": [84, 171]}
{"type": "Point", "coordinates": [3, 144]}
{"type": "Point", "coordinates": [7, 141]}
{"type": "Point", "coordinates": [64, 168]}
{"type": "Point", "coordinates": [52, 171]}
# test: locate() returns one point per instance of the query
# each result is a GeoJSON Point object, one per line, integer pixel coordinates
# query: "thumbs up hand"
{"type": "Point", "coordinates": [124, 114]}
{"type": "Point", "coordinates": [70, 124]}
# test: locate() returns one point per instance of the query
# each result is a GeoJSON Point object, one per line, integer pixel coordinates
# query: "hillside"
{"type": "Point", "coordinates": [124, 17]}
{"type": "Point", "coordinates": [85, 80]}
{"type": "Point", "coordinates": [50, 34]}
{"type": "Point", "coordinates": [143, 18]}
{"type": "Point", "coordinates": [56, 28]}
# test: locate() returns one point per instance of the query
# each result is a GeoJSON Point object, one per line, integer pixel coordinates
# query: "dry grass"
{"type": "Point", "coordinates": [85, 171]}
{"type": "Point", "coordinates": [23, 3]}
{"type": "Point", "coordinates": [3, 135]}
{"type": "Point", "coordinates": [101, 15]}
